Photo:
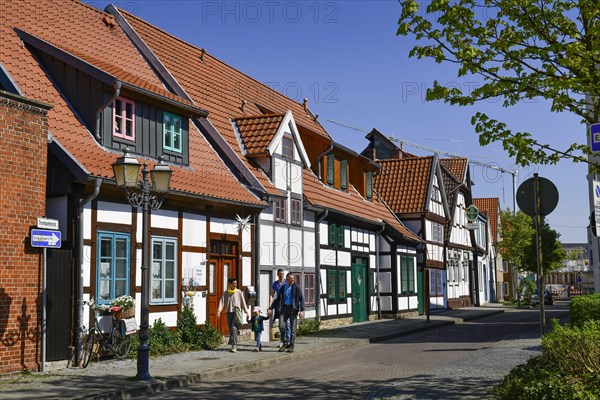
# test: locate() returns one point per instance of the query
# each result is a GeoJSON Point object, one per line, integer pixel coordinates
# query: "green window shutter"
{"type": "Point", "coordinates": [404, 275]}
{"type": "Point", "coordinates": [330, 169]}
{"type": "Point", "coordinates": [369, 185]}
{"type": "Point", "coordinates": [342, 286]}
{"type": "Point", "coordinates": [341, 242]}
{"type": "Point", "coordinates": [343, 174]}
{"type": "Point", "coordinates": [331, 285]}
{"type": "Point", "coordinates": [332, 235]}
{"type": "Point", "coordinates": [411, 274]}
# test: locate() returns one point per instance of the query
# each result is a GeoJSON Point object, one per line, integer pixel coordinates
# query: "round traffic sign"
{"type": "Point", "coordinates": [548, 196]}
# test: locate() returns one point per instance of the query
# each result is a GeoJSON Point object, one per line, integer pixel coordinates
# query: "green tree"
{"type": "Point", "coordinates": [517, 233]}
{"type": "Point", "coordinates": [522, 50]}
{"type": "Point", "coordinates": [553, 253]}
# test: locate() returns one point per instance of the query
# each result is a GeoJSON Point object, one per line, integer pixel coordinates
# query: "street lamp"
{"type": "Point", "coordinates": [149, 195]}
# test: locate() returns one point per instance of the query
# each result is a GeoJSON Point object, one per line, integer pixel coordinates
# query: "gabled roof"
{"type": "Point", "coordinates": [258, 132]}
{"type": "Point", "coordinates": [217, 87]}
{"type": "Point", "coordinates": [91, 35]}
{"type": "Point", "coordinates": [456, 166]}
{"type": "Point", "coordinates": [351, 203]}
{"type": "Point", "coordinates": [107, 73]}
{"type": "Point", "coordinates": [490, 205]}
{"type": "Point", "coordinates": [404, 183]}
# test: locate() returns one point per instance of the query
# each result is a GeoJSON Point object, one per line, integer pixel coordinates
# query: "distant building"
{"type": "Point", "coordinates": [576, 276]}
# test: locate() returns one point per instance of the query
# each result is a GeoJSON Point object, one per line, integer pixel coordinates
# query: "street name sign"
{"type": "Point", "coordinates": [45, 238]}
{"type": "Point", "coordinates": [47, 223]}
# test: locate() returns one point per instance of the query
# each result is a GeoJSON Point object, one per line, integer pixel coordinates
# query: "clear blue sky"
{"type": "Point", "coordinates": [345, 58]}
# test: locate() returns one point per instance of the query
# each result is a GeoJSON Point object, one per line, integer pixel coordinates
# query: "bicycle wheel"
{"type": "Point", "coordinates": [120, 344]}
{"type": "Point", "coordinates": [88, 347]}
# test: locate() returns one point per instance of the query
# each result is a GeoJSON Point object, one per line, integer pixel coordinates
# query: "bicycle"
{"type": "Point", "coordinates": [115, 339]}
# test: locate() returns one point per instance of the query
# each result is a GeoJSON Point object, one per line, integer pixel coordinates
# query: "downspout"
{"type": "Point", "coordinates": [257, 258]}
{"type": "Point", "coordinates": [378, 297]}
{"type": "Point", "coordinates": [321, 156]}
{"type": "Point", "coordinates": [117, 88]}
{"type": "Point", "coordinates": [79, 238]}
{"type": "Point", "coordinates": [318, 262]}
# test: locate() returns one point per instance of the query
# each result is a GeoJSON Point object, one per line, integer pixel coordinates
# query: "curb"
{"type": "Point", "coordinates": [147, 388]}
{"type": "Point", "coordinates": [151, 387]}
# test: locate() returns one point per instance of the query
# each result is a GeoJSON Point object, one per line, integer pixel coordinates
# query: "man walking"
{"type": "Point", "coordinates": [275, 287]}
{"type": "Point", "coordinates": [290, 305]}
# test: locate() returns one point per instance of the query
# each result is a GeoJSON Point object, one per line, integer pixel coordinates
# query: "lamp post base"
{"type": "Point", "coordinates": [143, 372]}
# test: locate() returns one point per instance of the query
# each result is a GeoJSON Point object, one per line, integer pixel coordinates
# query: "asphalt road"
{"type": "Point", "coordinates": [457, 362]}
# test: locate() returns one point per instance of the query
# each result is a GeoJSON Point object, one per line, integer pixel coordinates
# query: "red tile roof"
{"type": "Point", "coordinates": [456, 166]}
{"type": "Point", "coordinates": [404, 183]}
{"type": "Point", "coordinates": [258, 132]}
{"type": "Point", "coordinates": [81, 29]}
{"type": "Point", "coordinates": [352, 203]}
{"type": "Point", "coordinates": [219, 88]}
{"type": "Point", "coordinates": [490, 205]}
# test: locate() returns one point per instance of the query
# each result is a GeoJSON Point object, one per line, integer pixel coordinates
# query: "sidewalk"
{"type": "Point", "coordinates": [112, 379]}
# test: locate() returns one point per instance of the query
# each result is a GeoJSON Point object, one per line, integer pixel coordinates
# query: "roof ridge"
{"type": "Point", "coordinates": [207, 54]}
{"type": "Point", "coordinates": [258, 116]}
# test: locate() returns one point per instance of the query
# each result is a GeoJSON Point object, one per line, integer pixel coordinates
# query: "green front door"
{"type": "Point", "coordinates": [359, 297]}
{"type": "Point", "coordinates": [420, 292]}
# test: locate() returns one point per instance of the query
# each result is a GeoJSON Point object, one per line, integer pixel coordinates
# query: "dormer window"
{"type": "Point", "coordinates": [124, 118]}
{"type": "Point", "coordinates": [287, 147]}
{"type": "Point", "coordinates": [172, 132]}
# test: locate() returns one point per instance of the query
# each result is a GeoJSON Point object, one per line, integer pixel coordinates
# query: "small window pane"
{"type": "Point", "coordinates": [120, 288]}
{"type": "Point", "coordinates": [169, 289]}
{"type": "Point", "coordinates": [129, 110]}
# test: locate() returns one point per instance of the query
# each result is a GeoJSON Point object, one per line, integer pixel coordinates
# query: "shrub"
{"type": "Point", "coordinates": [537, 380]}
{"type": "Point", "coordinates": [187, 327]}
{"type": "Point", "coordinates": [585, 308]}
{"type": "Point", "coordinates": [209, 338]}
{"type": "Point", "coordinates": [164, 341]}
{"type": "Point", "coordinates": [568, 368]}
{"type": "Point", "coordinates": [308, 327]}
{"type": "Point", "coordinates": [573, 350]}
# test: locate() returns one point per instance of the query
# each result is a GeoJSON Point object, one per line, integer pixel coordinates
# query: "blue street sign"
{"type": "Point", "coordinates": [595, 137]}
{"type": "Point", "coordinates": [45, 238]}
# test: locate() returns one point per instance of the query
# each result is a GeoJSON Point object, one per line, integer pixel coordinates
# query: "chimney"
{"type": "Point", "coordinates": [305, 104]}
{"type": "Point", "coordinates": [202, 53]}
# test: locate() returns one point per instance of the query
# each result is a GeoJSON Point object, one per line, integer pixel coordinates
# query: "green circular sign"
{"type": "Point", "coordinates": [472, 213]}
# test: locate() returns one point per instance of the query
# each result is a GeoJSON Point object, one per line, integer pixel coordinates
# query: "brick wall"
{"type": "Point", "coordinates": [23, 160]}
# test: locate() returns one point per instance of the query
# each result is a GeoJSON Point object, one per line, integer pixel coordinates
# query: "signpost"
{"type": "Point", "coordinates": [538, 197]}
{"type": "Point", "coordinates": [45, 238]}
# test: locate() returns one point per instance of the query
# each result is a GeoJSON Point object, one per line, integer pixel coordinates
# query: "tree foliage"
{"type": "Point", "coordinates": [517, 244]}
{"type": "Point", "coordinates": [522, 50]}
{"type": "Point", "coordinates": [553, 253]}
{"type": "Point", "coordinates": [517, 233]}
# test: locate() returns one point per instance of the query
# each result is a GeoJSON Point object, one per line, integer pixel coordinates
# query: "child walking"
{"type": "Point", "coordinates": [256, 322]}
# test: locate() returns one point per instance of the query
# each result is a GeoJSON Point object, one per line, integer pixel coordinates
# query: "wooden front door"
{"type": "Point", "coordinates": [219, 271]}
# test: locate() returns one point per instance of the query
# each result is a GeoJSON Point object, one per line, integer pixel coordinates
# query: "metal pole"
{"type": "Point", "coordinates": [536, 199]}
{"type": "Point", "coordinates": [143, 350]}
{"type": "Point", "coordinates": [44, 314]}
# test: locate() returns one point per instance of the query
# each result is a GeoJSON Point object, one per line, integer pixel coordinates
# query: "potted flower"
{"type": "Point", "coordinates": [123, 307]}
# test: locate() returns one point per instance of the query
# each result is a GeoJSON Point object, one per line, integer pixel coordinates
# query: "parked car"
{"type": "Point", "coordinates": [548, 299]}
